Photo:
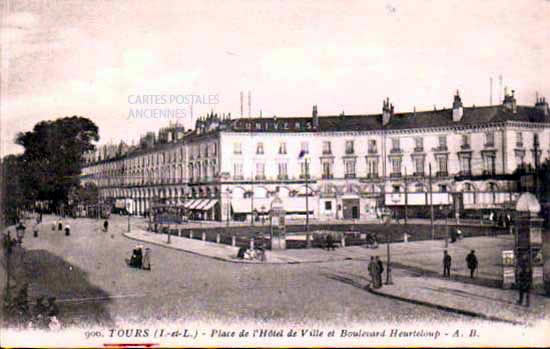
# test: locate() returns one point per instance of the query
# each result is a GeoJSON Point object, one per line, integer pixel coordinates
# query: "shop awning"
{"type": "Point", "coordinates": [209, 205]}
{"type": "Point", "coordinates": [196, 203]}
{"type": "Point", "coordinates": [203, 204]}
{"type": "Point", "coordinates": [188, 203]}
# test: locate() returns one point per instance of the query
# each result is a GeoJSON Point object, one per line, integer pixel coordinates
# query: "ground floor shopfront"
{"type": "Point", "coordinates": [323, 200]}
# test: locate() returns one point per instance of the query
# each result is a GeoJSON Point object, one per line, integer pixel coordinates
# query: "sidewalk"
{"type": "Point", "coordinates": [204, 248]}
{"type": "Point", "coordinates": [416, 271]}
{"type": "Point", "coordinates": [467, 299]}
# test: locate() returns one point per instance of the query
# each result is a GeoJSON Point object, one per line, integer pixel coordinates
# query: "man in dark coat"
{"type": "Point", "coordinates": [471, 260]}
{"type": "Point", "coordinates": [446, 264]}
{"type": "Point", "coordinates": [380, 268]}
{"type": "Point", "coordinates": [106, 225]}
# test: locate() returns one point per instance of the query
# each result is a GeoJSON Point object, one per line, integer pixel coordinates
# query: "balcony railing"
{"type": "Point", "coordinates": [490, 145]}
{"type": "Point", "coordinates": [519, 144]}
{"type": "Point", "coordinates": [442, 174]}
{"type": "Point", "coordinates": [418, 149]}
{"type": "Point", "coordinates": [489, 172]}
{"type": "Point", "coordinates": [418, 174]}
{"type": "Point", "coordinates": [260, 177]}
{"type": "Point", "coordinates": [327, 176]}
{"type": "Point", "coordinates": [350, 151]}
{"type": "Point", "coordinates": [441, 148]}
{"type": "Point", "coordinates": [395, 175]}
{"type": "Point", "coordinates": [349, 175]}
{"type": "Point", "coordinates": [282, 177]}
{"type": "Point", "coordinates": [238, 177]}
{"type": "Point", "coordinates": [396, 150]}
{"type": "Point", "coordinates": [465, 146]}
{"type": "Point", "coordinates": [465, 173]}
{"type": "Point", "coordinates": [327, 152]}
{"type": "Point", "coordinates": [372, 175]}
{"type": "Point", "coordinates": [373, 151]}
{"type": "Point", "coordinates": [303, 176]}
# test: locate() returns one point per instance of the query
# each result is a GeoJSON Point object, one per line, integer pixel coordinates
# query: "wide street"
{"type": "Point", "coordinates": [87, 273]}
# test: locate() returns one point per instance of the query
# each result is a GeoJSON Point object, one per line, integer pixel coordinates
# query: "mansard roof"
{"type": "Point", "coordinates": [422, 119]}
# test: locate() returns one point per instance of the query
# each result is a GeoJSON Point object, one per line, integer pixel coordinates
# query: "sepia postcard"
{"type": "Point", "coordinates": [272, 173]}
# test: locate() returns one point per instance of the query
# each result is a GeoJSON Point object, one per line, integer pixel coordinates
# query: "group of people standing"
{"type": "Point", "coordinates": [141, 258]}
{"type": "Point", "coordinates": [376, 268]}
{"type": "Point", "coordinates": [471, 261]}
{"type": "Point", "coordinates": [59, 225]}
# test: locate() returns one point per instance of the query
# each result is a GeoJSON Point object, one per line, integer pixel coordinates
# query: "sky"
{"type": "Point", "coordinates": [98, 58]}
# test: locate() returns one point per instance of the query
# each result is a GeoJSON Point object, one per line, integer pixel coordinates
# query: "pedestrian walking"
{"type": "Point", "coordinates": [59, 225]}
{"type": "Point", "coordinates": [524, 281]}
{"type": "Point", "coordinates": [54, 224]}
{"type": "Point", "coordinates": [471, 260]}
{"type": "Point", "coordinates": [67, 230]}
{"type": "Point", "coordinates": [380, 270]}
{"type": "Point", "coordinates": [106, 225]}
{"type": "Point", "coordinates": [446, 264]}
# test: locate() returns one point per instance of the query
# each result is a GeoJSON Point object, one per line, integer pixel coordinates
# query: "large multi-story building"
{"type": "Point", "coordinates": [339, 167]}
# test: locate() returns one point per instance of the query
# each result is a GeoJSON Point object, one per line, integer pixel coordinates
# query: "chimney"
{"type": "Point", "coordinates": [509, 101]}
{"type": "Point", "coordinates": [387, 111]}
{"type": "Point", "coordinates": [315, 118]}
{"type": "Point", "coordinates": [242, 97]}
{"type": "Point", "coordinates": [542, 106]}
{"type": "Point", "coordinates": [457, 108]}
{"type": "Point", "coordinates": [249, 104]}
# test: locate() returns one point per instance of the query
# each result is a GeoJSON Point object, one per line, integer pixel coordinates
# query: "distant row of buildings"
{"type": "Point", "coordinates": [351, 164]}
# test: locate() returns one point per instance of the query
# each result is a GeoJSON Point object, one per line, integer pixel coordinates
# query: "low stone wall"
{"type": "Point", "coordinates": [354, 233]}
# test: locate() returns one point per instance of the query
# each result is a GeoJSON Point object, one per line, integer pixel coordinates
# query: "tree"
{"type": "Point", "coordinates": [84, 195]}
{"type": "Point", "coordinates": [52, 161]}
{"type": "Point", "coordinates": [13, 196]}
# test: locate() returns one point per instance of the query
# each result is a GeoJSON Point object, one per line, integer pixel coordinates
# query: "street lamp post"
{"type": "Point", "coordinates": [308, 237]}
{"type": "Point", "coordinates": [431, 201]}
{"type": "Point", "coordinates": [128, 206]}
{"type": "Point", "coordinates": [445, 212]}
{"type": "Point", "coordinates": [389, 280]}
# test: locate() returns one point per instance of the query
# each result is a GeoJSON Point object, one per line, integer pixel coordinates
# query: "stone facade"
{"type": "Point", "coordinates": [227, 168]}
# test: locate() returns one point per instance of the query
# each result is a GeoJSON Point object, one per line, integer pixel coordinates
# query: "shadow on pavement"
{"type": "Point", "coordinates": [454, 277]}
{"type": "Point", "coordinates": [80, 303]}
{"type": "Point", "coordinates": [347, 280]}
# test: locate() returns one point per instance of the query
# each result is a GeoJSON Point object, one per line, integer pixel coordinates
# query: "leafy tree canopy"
{"type": "Point", "coordinates": [53, 156]}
